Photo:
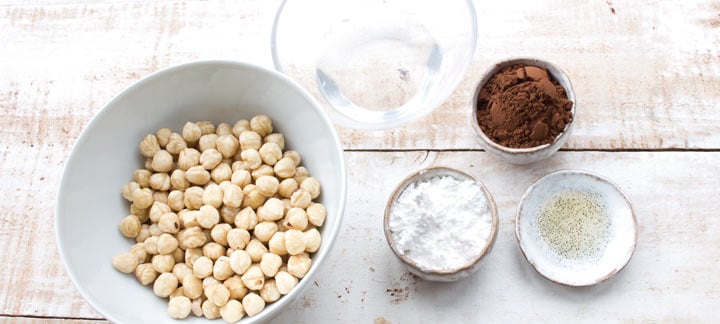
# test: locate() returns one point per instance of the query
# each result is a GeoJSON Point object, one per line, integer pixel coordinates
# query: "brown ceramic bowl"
{"type": "Point", "coordinates": [523, 155]}
{"type": "Point", "coordinates": [437, 275]}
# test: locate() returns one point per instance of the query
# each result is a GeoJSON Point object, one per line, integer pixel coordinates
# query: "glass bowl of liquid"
{"type": "Point", "coordinates": [375, 64]}
{"type": "Point", "coordinates": [576, 228]}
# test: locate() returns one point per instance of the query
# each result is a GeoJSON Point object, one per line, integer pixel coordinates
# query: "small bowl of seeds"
{"type": "Point", "coordinates": [523, 110]}
{"type": "Point", "coordinates": [440, 222]}
{"type": "Point", "coordinates": [576, 228]}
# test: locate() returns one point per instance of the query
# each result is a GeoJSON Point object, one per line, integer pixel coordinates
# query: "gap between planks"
{"type": "Point", "coordinates": [624, 150]}
{"type": "Point", "coordinates": [36, 317]}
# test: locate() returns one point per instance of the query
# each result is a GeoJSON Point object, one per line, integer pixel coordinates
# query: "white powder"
{"type": "Point", "coordinates": [441, 223]}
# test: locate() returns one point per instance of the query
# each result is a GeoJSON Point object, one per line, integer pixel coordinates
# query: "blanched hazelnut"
{"type": "Point", "coordinates": [142, 198]}
{"type": "Point", "coordinates": [163, 263]}
{"type": "Point", "coordinates": [270, 263]}
{"type": "Point", "coordinates": [238, 238]}
{"type": "Point", "coordinates": [298, 265]}
{"type": "Point", "coordinates": [293, 155]}
{"type": "Point", "coordinates": [189, 157]}
{"type": "Point", "coordinates": [206, 127]}
{"type": "Point", "coordinates": [165, 284]}
{"type": "Point", "coordinates": [149, 146]}
{"type": "Point", "coordinates": [202, 267]}
{"type": "Point", "coordinates": [265, 230]}
{"type": "Point", "coordinates": [221, 268]}
{"type": "Point", "coordinates": [223, 129]}
{"type": "Point", "coordinates": [145, 274]}
{"type": "Point", "coordinates": [312, 240]}
{"type": "Point", "coordinates": [191, 133]}
{"type": "Point", "coordinates": [143, 234]}
{"type": "Point", "coordinates": [233, 196]}
{"type": "Point", "coordinates": [176, 200]}
{"type": "Point", "coordinates": [221, 173]}
{"type": "Point", "coordinates": [191, 255]}
{"type": "Point", "coordinates": [267, 185]}
{"type": "Point", "coordinates": [181, 270]}
{"type": "Point", "coordinates": [227, 145]}
{"type": "Point", "coordinates": [169, 223]}
{"type": "Point", "coordinates": [252, 198]}
{"type": "Point", "coordinates": [276, 138]}
{"type": "Point", "coordinates": [236, 287]}
{"type": "Point", "coordinates": [192, 286]}
{"type": "Point", "coordinates": [246, 219]}
{"type": "Point", "coordinates": [142, 177]}
{"type": "Point", "coordinates": [252, 158]}
{"type": "Point", "coordinates": [128, 189]}
{"type": "Point", "coordinates": [219, 233]}
{"type": "Point", "coordinates": [217, 294]}
{"type": "Point", "coordinates": [261, 124]}
{"type": "Point", "coordinates": [277, 244]}
{"type": "Point", "coordinates": [241, 178]}
{"type": "Point", "coordinates": [312, 185]}
{"type": "Point", "coordinates": [253, 304]}
{"type": "Point", "coordinates": [178, 180]}
{"type": "Point", "coordinates": [191, 238]}
{"type": "Point", "coordinates": [160, 181]}
{"type": "Point", "coordinates": [197, 175]}
{"type": "Point", "coordinates": [285, 282]}
{"type": "Point", "coordinates": [210, 158]}
{"type": "Point", "coordinates": [250, 140]}
{"type": "Point", "coordinates": [130, 226]}
{"type": "Point", "coordinates": [287, 187]}
{"type": "Point", "coordinates": [179, 307]}
{"type": "Point", "coordinates": [162, 161]}
{"type": "Point", "coordinates": [285, 168]}
{"type": "Point", "coordinates": [151, 245]}
{"type": "Point", "coordinates": [263, 170]}
{"type": "Point", "coordinates": [296, 218]}
{"type": "Point", "coordinates": [212, 195]}
{"type": "Point", "coordinates": [193, 197]}
{"type": "Point", "coordinates": [140, 213]}
{"type": "Point", "coordinates": [213, 250]}
{"type": "Point", "coordinates": [316, 214]}
{"type": "Point", "coordinates": [240, 261]}
{"type": "Point", "coordinates": [207, 142]}
{"type": "Point", "coordinates": [228, 213]}
{"type": "Point", "coordinates": [300, 198]}
{"type": "Point", "coordinates": [232, 311]}
{"type": "Point", "coordinates": [256, 249]}
{"type": "Point", "coordinates": [301, 173]}
{"type": "Point", "coordinates": [166, 243]}
{"type": "Point", "coordinates": [270, 153]}
{"type": "Point", "coordinates": [269, 291]}
{"type": "Point", "coordinates": [295, 242]}
{"type": "Point", "coordinates": [253, 278]}
{"type": "Point", "coordinates": [161, 196]}
{"type": "Point", "coordinates": [208, 217]}
{"type": "Point", "coordinates": [241, 126]}
{"type": "Point", "coordinates": [125, 262]}
{"type": "Point", "coordinates": [188, 218]}
{"type": "Point", "coordinates": [272, 210]}
{"type": "Point", "coordinates": [163, 136]}
{"type": "Point", "coordinates": [176, 144]}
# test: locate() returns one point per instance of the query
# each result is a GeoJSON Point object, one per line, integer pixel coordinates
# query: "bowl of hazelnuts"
{"type": "Point", "coordinates": [209, 190]}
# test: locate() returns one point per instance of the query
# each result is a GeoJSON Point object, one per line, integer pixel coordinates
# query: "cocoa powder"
{"type": "Point", "coordinates": [522, 106]}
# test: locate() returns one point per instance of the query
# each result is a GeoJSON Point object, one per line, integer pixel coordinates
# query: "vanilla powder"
{"type": "Point", "coordinates": [441, 223]}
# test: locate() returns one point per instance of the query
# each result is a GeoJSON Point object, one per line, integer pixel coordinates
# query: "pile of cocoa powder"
{"type": "Point", "coordinates": [522, 106]}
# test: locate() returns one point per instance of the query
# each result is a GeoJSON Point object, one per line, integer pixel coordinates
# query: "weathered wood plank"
{"type": "Point", "coordinates": [646, 75]}
{"type": "Point", "coordinates": [674, 267]}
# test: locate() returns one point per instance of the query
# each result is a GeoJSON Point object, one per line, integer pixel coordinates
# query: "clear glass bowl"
{"type": "Point", "coordinates": [375, 64]}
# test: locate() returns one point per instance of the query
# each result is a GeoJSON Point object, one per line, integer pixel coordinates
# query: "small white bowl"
{"type": "Point", "coordinates": [438, 275]}
{"type": "Point", "coordinates": [90, 206]}
{"type": "Point", "coordinates": [622, 233]}
{"type": "Point", "coordinates": [531, 154]}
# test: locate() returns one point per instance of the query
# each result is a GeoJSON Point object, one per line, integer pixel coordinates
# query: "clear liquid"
{"type": "Point", "coordinates": [575, 225]}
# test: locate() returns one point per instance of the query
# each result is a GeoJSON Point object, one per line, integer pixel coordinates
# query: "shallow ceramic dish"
{"type": "Point", "coordinates": [621, 234]}
{"type": "Point", "coordinates": [523, 155]}
{"type": "Point", "coordinates": [89, 203]}
{"type": "Point", "coordinates": [436, 275]}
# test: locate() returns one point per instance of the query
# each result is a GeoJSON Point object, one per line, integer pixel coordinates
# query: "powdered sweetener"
{"type": "Point", "coordinates": [441, 223]}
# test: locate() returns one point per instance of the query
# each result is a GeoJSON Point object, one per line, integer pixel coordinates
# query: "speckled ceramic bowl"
{"type": "Point", "coordinates": [523, 155]}
{"type": "Point", "coordinates": [434, 275]}
{"type": "Point", "coordinates": [608, 260]}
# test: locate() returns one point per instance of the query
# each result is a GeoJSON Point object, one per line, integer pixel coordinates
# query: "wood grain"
{"type": "Point", "coordinates": [674, 266]}
{"type": "Point", "coordinates": [646, 76]}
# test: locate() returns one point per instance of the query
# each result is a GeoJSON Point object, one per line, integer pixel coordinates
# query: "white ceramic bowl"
{"type": "Point", "coordinates": [438, 275]}
{"type": "Point", "coordinates": [89, 203]}
{"type": "Point", "coordinates": [573, 271]}
{"type": "Point", "coordinates": [523, 155]}
{"type": "Point", "coordinates": [375, 64]}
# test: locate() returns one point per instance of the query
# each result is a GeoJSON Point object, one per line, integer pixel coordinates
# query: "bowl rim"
{"type": "Point", "coordinates": [531, 61]}
{"type": "Point", "coordinates": [394, 117]}
{"type": "Point", "coordinates": [576, 172]}
{"type": "Point", "coordinates": [85, 133]}
{"type": "Point", "coordinates": [430, 172]}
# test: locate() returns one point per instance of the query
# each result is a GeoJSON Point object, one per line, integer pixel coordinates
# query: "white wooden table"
{"type": "Point", "coordinates": [646, 75]}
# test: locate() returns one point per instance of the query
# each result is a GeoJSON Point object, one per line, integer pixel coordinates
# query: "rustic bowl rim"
{"type": "Point", "coordinates": [427, 173]}
{"type": "Point", "coordinates": [622, 264]}
{"type": "Point", "coordinates": [531, 61]}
